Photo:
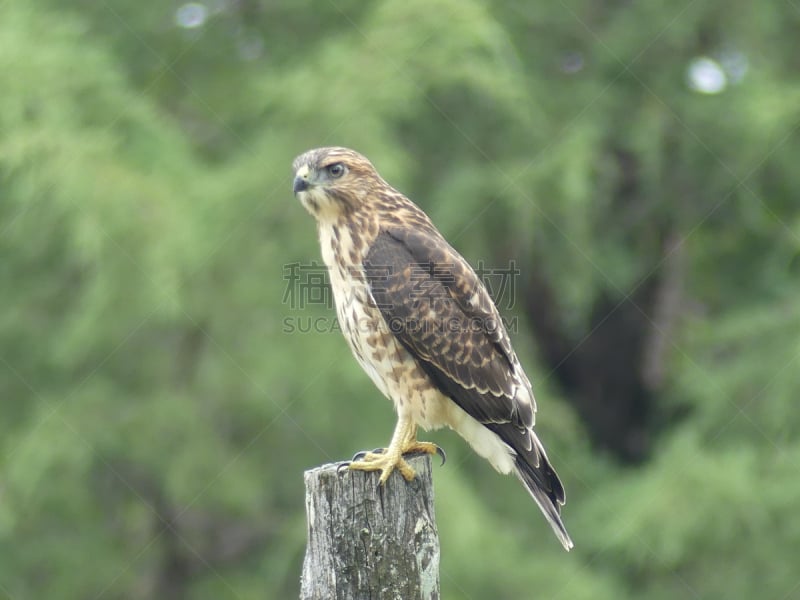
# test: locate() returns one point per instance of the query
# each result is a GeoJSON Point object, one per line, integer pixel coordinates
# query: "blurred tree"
{"type": "Point", "coordinates": [168, 369]}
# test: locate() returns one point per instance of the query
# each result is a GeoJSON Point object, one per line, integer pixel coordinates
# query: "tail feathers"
{"type": "Point", "coordinates": [545, 488]}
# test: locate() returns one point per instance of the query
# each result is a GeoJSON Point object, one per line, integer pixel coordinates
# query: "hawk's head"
{"type": "Point", "coordinates": [330, 182]}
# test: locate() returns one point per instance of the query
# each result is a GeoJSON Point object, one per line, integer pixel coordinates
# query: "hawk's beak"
{"type": "Point", "coordinates": [300, 184]}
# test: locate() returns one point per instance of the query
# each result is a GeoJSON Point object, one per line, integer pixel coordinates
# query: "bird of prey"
{"type": "Point", "coordinates": [423, 326]}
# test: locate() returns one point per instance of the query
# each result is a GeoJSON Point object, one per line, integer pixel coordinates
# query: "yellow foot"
{"type": "Point", "coordinates": [385, 461]}
{"type": "Point", "coordinates": [417, 447]}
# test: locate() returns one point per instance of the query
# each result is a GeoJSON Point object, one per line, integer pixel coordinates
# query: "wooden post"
{"type": "Point", "coordinates": [370, 541]}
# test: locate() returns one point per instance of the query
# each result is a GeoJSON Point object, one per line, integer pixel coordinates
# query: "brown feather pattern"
{"type": "Point", "coordinates": [428, 307]}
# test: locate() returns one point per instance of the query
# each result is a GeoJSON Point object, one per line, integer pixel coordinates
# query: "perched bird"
{"type": "Point", "coordinates": [423, 326]}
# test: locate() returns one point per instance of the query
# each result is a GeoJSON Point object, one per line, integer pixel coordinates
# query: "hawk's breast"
{"type": "Point", "coordinates": [390, 366]}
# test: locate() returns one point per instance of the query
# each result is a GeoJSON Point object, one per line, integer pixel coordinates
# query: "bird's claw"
{"type": "Point", "coordinates": [377, 456]}
{"type": "Point", "coordinates": [363, 453]}
{"type": "Point", "coordinates": [380, 461]}
{"type": "Point", "coordinates": [421, 448]}
{"type": "Point", "coordinates": [418, 450]}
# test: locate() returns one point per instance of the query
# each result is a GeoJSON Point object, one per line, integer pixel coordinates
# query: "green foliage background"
{"type": "Point", "coordinates": [157, 415]}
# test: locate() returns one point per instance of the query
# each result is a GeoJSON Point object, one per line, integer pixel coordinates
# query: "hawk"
{"type": "Point", "coordinates": [422, 325]}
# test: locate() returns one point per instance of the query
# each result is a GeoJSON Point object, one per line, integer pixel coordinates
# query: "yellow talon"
{"type": "Point", "coordinates": [385, 464]}
{"type": "Point", "coordinates": [404, 441]}
{"type": "Point", "coordinates": [417, 447]}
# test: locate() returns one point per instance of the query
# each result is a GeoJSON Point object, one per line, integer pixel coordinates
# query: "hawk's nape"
{"type": "Point", "coordinates": [422, 325]}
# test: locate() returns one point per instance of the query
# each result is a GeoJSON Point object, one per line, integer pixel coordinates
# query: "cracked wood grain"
{"type": "Point", "coordinates": [370, 541]}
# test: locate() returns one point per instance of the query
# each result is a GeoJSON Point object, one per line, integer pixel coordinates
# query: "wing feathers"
{"type": "Point", "coordinates": [441, 313]}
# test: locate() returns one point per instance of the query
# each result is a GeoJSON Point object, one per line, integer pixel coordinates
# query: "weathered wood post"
{"type": "Point", "coordinates": [370, 541]}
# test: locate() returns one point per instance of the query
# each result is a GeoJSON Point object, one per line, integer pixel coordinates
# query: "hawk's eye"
{"type": "Point", "coordinates": [335, 170]}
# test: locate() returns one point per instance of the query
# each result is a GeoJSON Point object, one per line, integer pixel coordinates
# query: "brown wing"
{"type": "Point", "coordinates": [437, 307]}
{"type": "Point", "coordinates": [440, 311]}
